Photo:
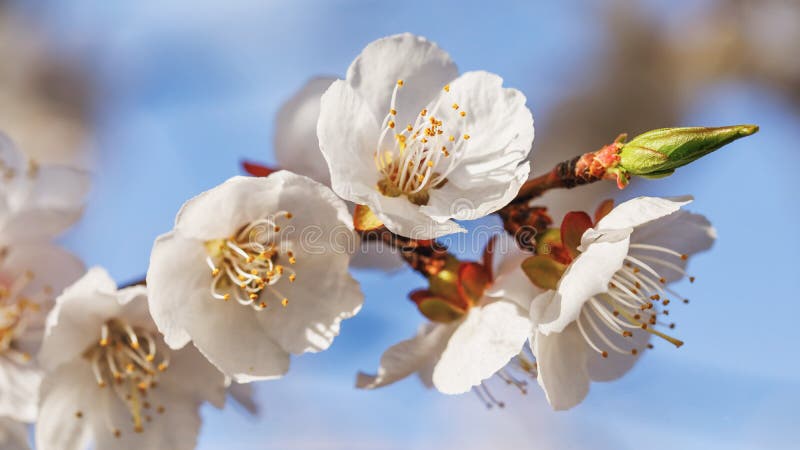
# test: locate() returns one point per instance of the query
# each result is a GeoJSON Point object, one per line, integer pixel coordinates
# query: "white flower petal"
{"type": "Point", "coordinates": [348, 133]}
{"type": "Point", "coordinates": [296, 144]}
{"type": "Point", "coordinates": [421, 64]}
{"type": "Point", "coordinates": [481, 345]}
{"type": "Point", "coordinates": [683, 232]}
{"type": "Point", "coordinates": [406, 219]}
{"type": "Point", "coordinates": [176, 276]}
{"type": "Point", "coordinates": [639, 211]}
{"type": "Point", "coordinates": [222, 210]}
{"type": "Point", "coordinates": [561, 361]}
{"type": "Point", "coordinates": [478, 200]}
{"type": "Point", "coordinates": [588, 275]}
{"type": "Point", "coordinates": [317, 305]}
{"type": "Point", "coordinates": [244, 395]}
{"type": "Point", "coordinates": [77, 317]}
{"type": "Point", "coordinates": [617, 364]}
{"type": "Point", "coordinates": [19, 389]}
{"type": "Point", "coordinates": [409, 356]}
{"type": "Point", "coordinates": [69, 389]}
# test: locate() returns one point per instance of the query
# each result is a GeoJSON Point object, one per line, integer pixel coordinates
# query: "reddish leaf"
{"type": "Point", "coordinates": [256, 169]}
{"type": "Point", "coordinates": [364, 219]}
{"type": "Point", "coordinates": [572, 228]}
{"type": "Point", "coordinates": [603, 209]}
{"type": "Point", "coordinates": [473, 279]}
{"type": "Point", "coordinates": [543, 271]}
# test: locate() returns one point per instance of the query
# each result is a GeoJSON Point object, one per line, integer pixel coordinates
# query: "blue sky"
{"type": "Point", "coordinates": [188, 89]}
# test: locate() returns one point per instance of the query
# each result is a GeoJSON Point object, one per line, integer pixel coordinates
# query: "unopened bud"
{"type": "Point", "coordinates": [658, 153]}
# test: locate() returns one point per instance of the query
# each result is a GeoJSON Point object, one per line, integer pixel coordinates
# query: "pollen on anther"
{"type": "Point", "coordinates": [430, 163]}
{"type": "Point", "coordinates": [662, 280]}
{"type": "Point", "coordinates": [455, 105]}
{"type": "Point", "coordinates": [292, 277]}
{"type": "Point", "coordinates": [253, 296]}
{"type": "Point", "coordinates": [391, 124]}
{"type": "Point", "coordinates": [117, 434]}
{"type": "Point", "coordinates": [400, 83]}
{"type": "Point", "coordinates": [284, 302]}
{"type": "Point", "coordinates": [262, 305]}
{"type": "Point", "coordinates": [691, 279]}
{"type": "Point", "coordinates": [393, 112]}
{"type": "Point", "coordinates": [684, 257]}
{"type": "Point", "coordinates": [463, 113]}
{"type": "Point", "coordinates": [447, 88]}
{"type": "Point", "coordinates": [634, 351]}
{"type": "Point", "coordinates": [466, 137]}
{"type": "Point", "coordinates": [289, 215]}
{"type": "Point", "coordinates": [215, 272]}
{"type": "Point", "coordinates": [451, 138]}
{"type": "Point", "coordinates": [226, 297]}
{"type": "Point", "coordinates": [423, 112]}
{"type": "Point", "coordinates": [604, 354]}
{"type": "Point", "coordinates": [78, 414]}
{"type": "Point", "coordinates": [409, 128]}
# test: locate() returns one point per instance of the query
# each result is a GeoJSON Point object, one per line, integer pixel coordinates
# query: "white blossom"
{"type": "Point", "coordinates": [420, 145]}
{"type": "Point", "coordinates": [255, 269]}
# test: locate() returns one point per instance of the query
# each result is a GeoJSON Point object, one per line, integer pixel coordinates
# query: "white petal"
{"type": "Point", "coordinates": [244, 396]}
{"type": "Point", "coordinates": [79, 313]}
{"type": "Point", "coordinates": [616, 364]}
{"type": "Point", "coordinates": [483, 344]}
{"type": "Point", "coordinates": [176, 276]}
{"type": "Point", "coordinates": [44, 205]}
{"type": "Point", "coordinates": [68, 389]}
{"type": "Point", "coordinates": [10, 155]}
{"type": "Point", "coordinates": [321, 297]}
{"type": "Point", "coordinates": [588, 275]}
{"type": "Point", "coordinates": [406, 219]}
{"type": "Point", "coordinates": [561, 361]}
{"type": "Point", "coordinates": [19, 389]}
{"type": "Point", "coordinates": [348, 134]}
{"type": "Point", "coordinates": [639, 211]}
{"type": "Point", "coordinates": [53, 268]}
{"type": "Point", "coordinates": [190, 375]}
{"type": "Point", "coordinates": [222, 210]}
{"type": "Point", "coordinates": [296, 144]}
{"type": "Point", "coordinates": [682, 231]}
{"type": "Point", "coordinates": [409, 356]}
{"type": "Point", "coordinates": [475, 201]}
{"type": "Point", "coordinates": [232, 338]}
{"type": "Point", "coordinates": [421, 64]}
{"type": "Point", "coordinates": [13, 435]}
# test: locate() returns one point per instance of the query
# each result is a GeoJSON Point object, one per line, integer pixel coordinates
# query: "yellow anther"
{"type": "Point", "coordinates": [447, 88]}
{"type": "Point", "coordinates": [463, 113]}
{"type": "Point", "coordinates": [289, 215]}
{"type": "Point", "coordinates": [214, 272]}
{"type": "Point", "coordinates": [393, 112]}
{"type": "Point", "coordinates": [284, 302]}
{"type": "Point", "coordinates": [277, 228]}
{"type": "Point", "coordinates": [292, 260]}
{"type": "Point", "coordinates": [451, 138]}
{"type": "Point", "coordinates": [409, 128]}
{"type": "Point", "coordinates": [253, 296]}
{"type": "Point", "coordinates": [162, 367]}
{"type": "Point", "coordinates": [423, 112]}
{"type": "Point", "coordinates": [103, 342]}
{"type": "Point", "coordinates": [292, 277]}
{"type": "Point", "coordinates": [466, 137]}
{"type": "Point", "coordinates": [430, 163]}
{"type": "Point", "coordinates": [420, 178]}
{"type": "Point", "coordinates": [400, 83]}
{"type": "Point", "coordinates": [262, 305]}
{"type": "Point", "coordinates": [455, 105]}
{"type": "Point", "coordinates": [391, 124]}
{"type": "Point", "coordinates": [241, 277]}
{"type": "Point", "coordinates": [226, 297]}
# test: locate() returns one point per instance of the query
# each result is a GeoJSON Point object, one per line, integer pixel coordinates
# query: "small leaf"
{"type": "Point", "coordinates": [440, 310]}
{"type": "Point", "coordinates": [543, 271]}
{"type": "Point", "coordinates": [445, 283]}
{"type": "Point", "coordinates": [364, 219]}
{"type": "Point", "coordinates": [572, 228]}
{"type": "Point", "coordinates": [603, 209]}
{"type": "Point", "coordinates": [473, 279]}
{"type": "Point", "coordinates": [256, 169]}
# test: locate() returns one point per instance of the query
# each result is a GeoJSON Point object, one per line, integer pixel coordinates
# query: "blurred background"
{"type": "Point", "coordinates": [161, 100]}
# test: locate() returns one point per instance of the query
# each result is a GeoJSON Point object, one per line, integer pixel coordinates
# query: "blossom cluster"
{"type": "Point", "coordinates": [397, 153]}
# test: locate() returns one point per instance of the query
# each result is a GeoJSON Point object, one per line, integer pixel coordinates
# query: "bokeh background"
{"type": "Point", "coordinates": [161, 100]}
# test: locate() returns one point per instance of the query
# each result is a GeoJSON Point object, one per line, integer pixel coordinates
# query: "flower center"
{"type": "Point", "coordinates": [418, 157]}
{"type": "Point", "coordinates": [247, 266]}
{"type": "Point", "coordinates": [124, 358]}
{"type": "Point", "coordinates": [635, 303]}
{"type": "Point", "coordinates": [17, 312]}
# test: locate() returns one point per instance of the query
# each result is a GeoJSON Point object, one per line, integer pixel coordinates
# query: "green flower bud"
{"type": "Point", "coordinates": [658, 153]}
